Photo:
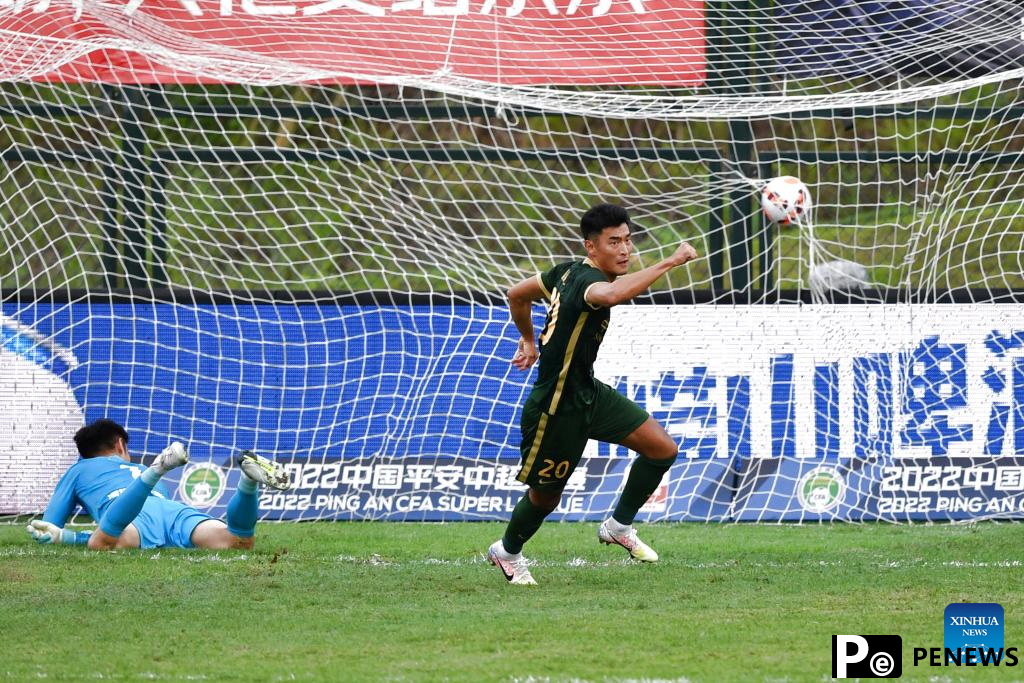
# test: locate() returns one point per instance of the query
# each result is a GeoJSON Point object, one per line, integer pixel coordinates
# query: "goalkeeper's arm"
{"type": "Point", "coordinates": [46, 533]}
{"type": "Point", "coordinates": [50, 529]}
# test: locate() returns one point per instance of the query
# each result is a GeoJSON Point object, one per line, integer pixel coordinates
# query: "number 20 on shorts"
{"type": "Point", "coordinates": [557, 470]}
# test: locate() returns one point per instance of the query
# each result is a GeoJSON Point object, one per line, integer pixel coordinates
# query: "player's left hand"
{"type": "Point", "coordinates": [526, 356]}
{"type": "Point", "coordinates": [44, 532]}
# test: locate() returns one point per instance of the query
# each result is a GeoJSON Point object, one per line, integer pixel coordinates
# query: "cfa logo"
{"type": "Point", "coordinates": [821, 489]}
{"type": "Point", "coordinates": [867, 656]}
{"type": "Point", "coordinates": [202, 484]}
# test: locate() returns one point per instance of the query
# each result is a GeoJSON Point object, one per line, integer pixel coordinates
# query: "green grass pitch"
{"type": "Point", "coordinates": [417, 602]}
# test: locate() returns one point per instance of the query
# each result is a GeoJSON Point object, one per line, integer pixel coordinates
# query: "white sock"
{"type": "Point", "coordinates": [615, 527]}
{"type": "Point", "coordinates": [512, 555]}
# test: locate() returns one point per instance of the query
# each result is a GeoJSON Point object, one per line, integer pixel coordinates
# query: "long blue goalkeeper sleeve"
{"type": "Point", "coordinates": [75, 537]}
{"type": "Point", "coordinates": [63, 500]}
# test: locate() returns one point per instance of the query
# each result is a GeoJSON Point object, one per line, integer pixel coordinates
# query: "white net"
{"type": "Point", "coordinates": [289, 227]}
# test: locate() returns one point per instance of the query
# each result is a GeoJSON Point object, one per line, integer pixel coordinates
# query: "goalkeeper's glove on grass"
{"type": "Point", "coordinates": [46, 533]}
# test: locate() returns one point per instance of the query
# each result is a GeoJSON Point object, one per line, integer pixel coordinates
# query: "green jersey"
{"type": "Point", "coordinates": [570, 339]}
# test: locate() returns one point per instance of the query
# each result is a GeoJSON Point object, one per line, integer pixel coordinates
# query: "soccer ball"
{"type": "Point", "coordinates": [785, 200]}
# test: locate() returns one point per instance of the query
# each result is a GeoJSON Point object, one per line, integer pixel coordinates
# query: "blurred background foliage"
{"type": "Point", "coordinates": [349, 189]}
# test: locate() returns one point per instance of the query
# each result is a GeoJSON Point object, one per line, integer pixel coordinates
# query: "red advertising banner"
{"type": "Point", "coordinates": [515, 42]}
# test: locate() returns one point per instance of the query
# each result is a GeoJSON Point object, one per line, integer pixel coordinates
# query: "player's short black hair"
{"type": "Point", "coordinates": [602, 216]}
{"type": "Point", "coordinates": [99, 437]}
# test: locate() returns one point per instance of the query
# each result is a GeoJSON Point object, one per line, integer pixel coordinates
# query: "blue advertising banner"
{"type": "Point", "coordinates": [446, 488]}
{"type": "Point", "coordinates": [411, 412]}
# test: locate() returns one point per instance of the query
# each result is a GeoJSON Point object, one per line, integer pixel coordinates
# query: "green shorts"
{"type": "Point", "coordinates": [552, 445]}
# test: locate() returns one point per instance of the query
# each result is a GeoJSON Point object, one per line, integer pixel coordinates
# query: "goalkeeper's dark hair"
{"type": "Point", "coordinates": [99, 437]}
{"type": "Point", "coordinates": [602, 216]}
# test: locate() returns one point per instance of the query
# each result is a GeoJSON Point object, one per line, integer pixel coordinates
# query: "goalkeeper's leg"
{"type": "Point", "coordinates": [243, 508]}
{"type": "Point", "coordinates": [116, 529]}
{"type": "Point", "coordinates": [240, 531]}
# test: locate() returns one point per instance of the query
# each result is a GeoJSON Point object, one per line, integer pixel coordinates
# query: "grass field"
{"type": "Point", "coordinates": [417, 602]}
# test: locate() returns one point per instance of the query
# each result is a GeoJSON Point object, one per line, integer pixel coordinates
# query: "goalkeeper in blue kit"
{"type": "Point", "coordinates": [133, 510]}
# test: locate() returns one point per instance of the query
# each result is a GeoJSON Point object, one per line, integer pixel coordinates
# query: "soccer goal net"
{"type": "Point", "coordinates": [289, 226]}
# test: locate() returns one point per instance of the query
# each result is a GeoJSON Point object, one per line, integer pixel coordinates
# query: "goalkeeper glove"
{"type": "Point", "coordinates": [46, 533]}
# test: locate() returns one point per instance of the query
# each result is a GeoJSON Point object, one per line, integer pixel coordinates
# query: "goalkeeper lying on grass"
{"type": "Point", "coordinates": [134, 511]}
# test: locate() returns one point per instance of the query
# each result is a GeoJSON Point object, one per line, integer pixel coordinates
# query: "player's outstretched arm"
{"type": "Point", "coordinates": [520, 305]}
{"type": "Point", "coordinates": [63, 500]}
{"type": "Point", "coordinates": [626, 287]}
{"type": "Point", "coordinates": [50, 529]}
{"type": "Point", "coordinates": [46, 533]}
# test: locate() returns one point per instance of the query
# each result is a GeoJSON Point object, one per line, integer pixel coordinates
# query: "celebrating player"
{"type": "Point", "coordinates": [134, 511]}
{"type": "Point", "coordinates": [568, 405]}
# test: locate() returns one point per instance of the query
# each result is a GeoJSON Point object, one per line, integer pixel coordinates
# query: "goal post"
{"type": "Point", "coordinates": [290, 227]}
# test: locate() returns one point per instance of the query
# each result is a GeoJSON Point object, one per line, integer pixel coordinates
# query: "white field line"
{"type": "Point", "coordinates": [376, 560]}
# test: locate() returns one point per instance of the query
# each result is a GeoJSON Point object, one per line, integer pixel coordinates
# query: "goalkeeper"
{"type": "Point", "coordinates": [568, 405]}
{"type": "Point", "coordinates": [133, 510]}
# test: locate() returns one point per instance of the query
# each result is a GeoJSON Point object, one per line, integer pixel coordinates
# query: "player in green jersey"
{"type": "Point", "coordinates": [568, 405]}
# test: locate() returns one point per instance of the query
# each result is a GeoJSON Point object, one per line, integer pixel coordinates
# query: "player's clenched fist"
{"type": "Point", "coordinates": [684, 254]}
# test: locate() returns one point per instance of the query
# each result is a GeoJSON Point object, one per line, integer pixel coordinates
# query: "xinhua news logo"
{"type": "Point", "coordinates": [975, 629]}
{"type": "Point", "coordinates": [867, 656]}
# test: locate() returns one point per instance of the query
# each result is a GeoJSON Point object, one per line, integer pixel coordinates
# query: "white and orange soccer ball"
{"type": "Point", "coordinates": [785, 200]}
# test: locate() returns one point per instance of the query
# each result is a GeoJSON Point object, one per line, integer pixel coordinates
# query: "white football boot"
{"type": "Point", "coordinates": [514, 567]}
{"type": "Point", "coordinates": [264, 471]}
{"type": "Point", "coordinates": [628, 539]}
{"type": "Point", "coordinates": [173, 456]}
